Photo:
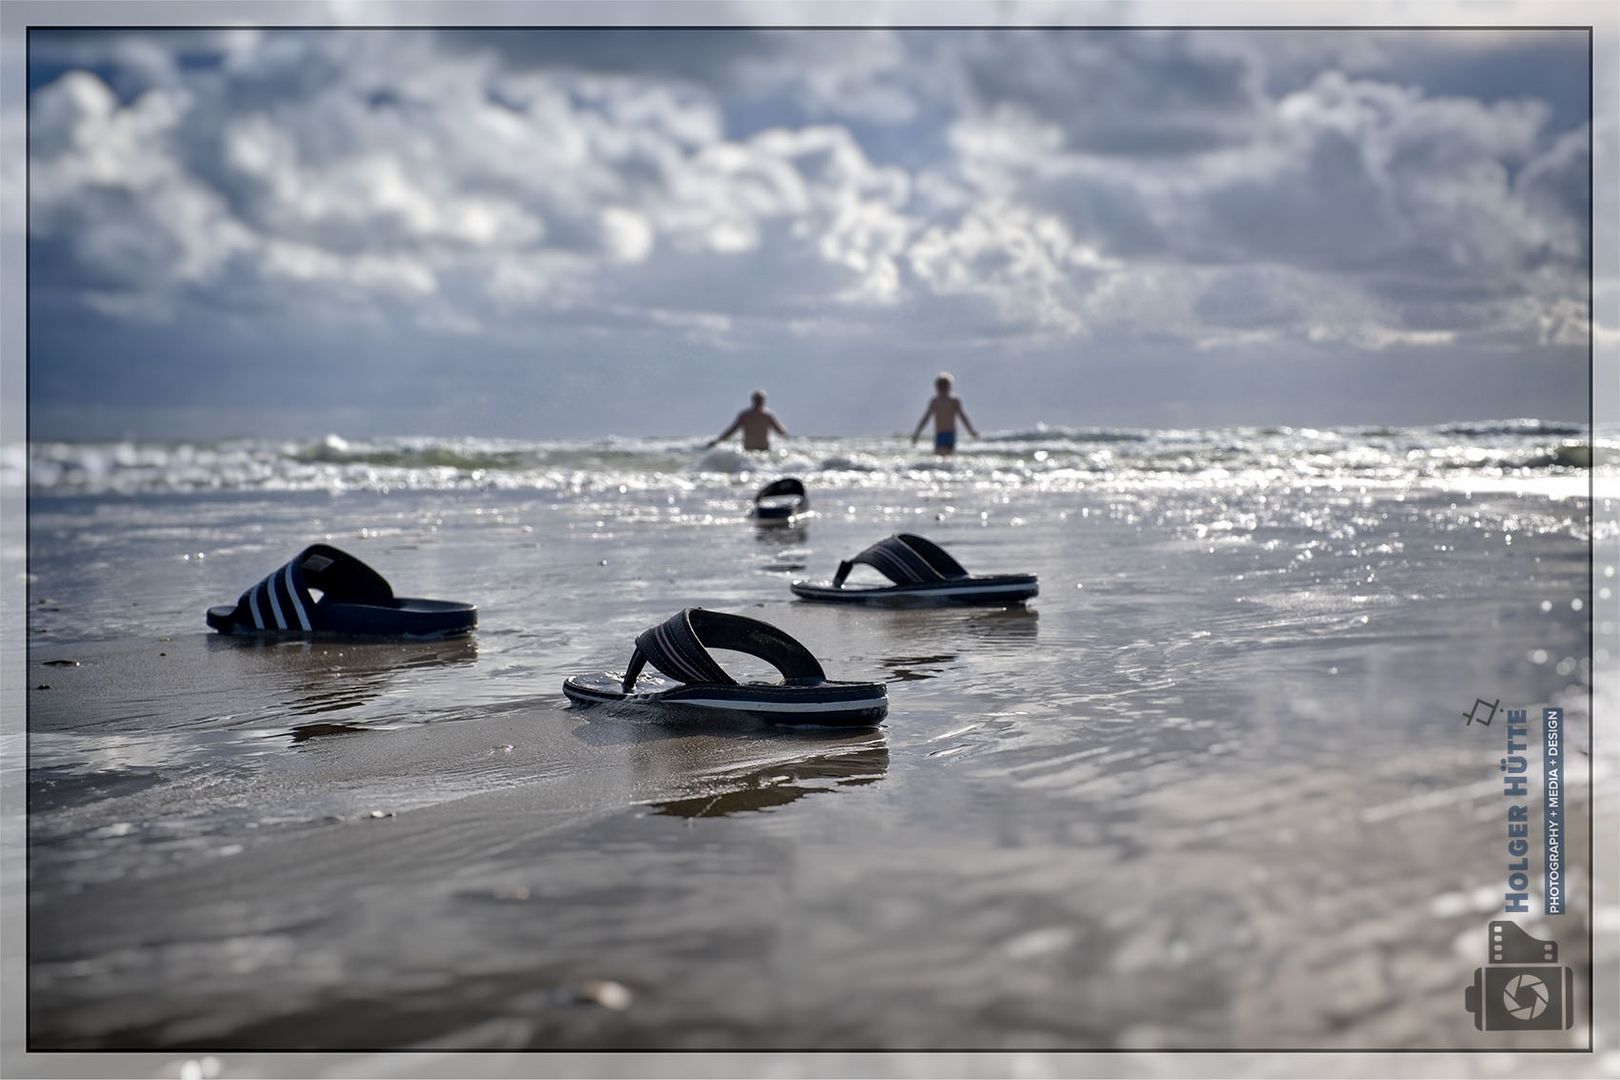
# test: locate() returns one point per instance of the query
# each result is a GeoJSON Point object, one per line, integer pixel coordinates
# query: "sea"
{"type": "Point", "coordinates": [1231, 781]}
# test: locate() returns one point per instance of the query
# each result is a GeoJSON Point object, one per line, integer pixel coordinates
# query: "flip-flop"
{"type": "Point", "coordinates": [781, 499]}
{"type": "Point", "coordinates": [922, 571]}
{"type": "Point", "coordinates": [698, 686]}
{"type": "Point", "coordinates": [354, 600]}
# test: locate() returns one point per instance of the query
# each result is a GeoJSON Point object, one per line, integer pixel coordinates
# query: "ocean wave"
{"type": "Point", "coordinates": [1051, 458]}
{"type": "Point", "coordinates": [862, 463]}
{"type": "Point", "coordinates": [730, 461]}
{"type": "Point", "coordinates": [1042, 433]}
{"type": "Point", "coordinates": [430, 457]}
{"type": "Point", "coordinates": [1520, 426]}
{"type": "Point", "coordinates": [1567, 456]}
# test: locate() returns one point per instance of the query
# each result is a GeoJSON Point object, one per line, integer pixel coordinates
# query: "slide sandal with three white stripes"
{"type": "Point", "coordinates": [354, 600]}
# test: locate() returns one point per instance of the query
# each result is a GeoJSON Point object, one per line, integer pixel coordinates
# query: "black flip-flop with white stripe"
{"type": "Point", "coordinates": [922, 572]}
{"type": "Point", "coordinates": [355, 600]}
{"type": "Point", "coordinates": [781, 500]}
{"type": "Point", "coordinates": [697, 685]}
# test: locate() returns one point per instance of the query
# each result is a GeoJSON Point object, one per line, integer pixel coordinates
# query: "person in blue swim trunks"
{"type": "Point", "coordinates": [945, 408]}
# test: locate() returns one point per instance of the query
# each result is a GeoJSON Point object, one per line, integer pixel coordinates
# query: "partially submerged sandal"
{"type": "Point", "coordinates": [781, 499]}
{"type": "Point", "coordinates": [354, 600]}
{"type": "Point", "coordinates": [697, 685]}
{"type": "Point", "coordinates": [921, 571]}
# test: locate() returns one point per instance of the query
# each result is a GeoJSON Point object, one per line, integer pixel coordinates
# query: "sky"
{"type": "Point", "coordinates": [549, 232]}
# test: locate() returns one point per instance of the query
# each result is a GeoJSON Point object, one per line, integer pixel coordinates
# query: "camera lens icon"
{"type": "Point", "coordinates": [1523, 987]}
{"type": "Point", "coordinates": [1524, 997]}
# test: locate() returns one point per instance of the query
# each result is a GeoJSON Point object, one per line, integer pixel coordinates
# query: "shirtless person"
{"type": "Point", "coordinates": [945, 408]}
{"type": "Point", "coordinates": [756, 425]}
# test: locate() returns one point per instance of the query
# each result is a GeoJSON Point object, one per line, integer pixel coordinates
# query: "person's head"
{"type": "Point", "coordinates": [943, 383]}
{"type": "Point", "coordinates": [759, 399]}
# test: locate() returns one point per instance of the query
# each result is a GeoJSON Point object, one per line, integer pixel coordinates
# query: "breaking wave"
{"type": "Point", "coordinates": [1052, 458]}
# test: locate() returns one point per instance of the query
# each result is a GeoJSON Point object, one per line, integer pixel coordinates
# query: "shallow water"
{"type": "Point", "coordinates": [1212, 788]}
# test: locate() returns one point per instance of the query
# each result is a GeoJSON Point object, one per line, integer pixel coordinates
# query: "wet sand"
{"type": "Point", "coordinates": [1202, 793]}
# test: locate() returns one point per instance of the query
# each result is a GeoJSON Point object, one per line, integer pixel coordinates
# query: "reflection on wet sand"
{"type": "Point", "coordinates": [781, 533]}
{"type": "Point", "coordinates": [332, 676]}
{"type": "Point", "coordinates": [780, 784]}
{"type": "Point", "coordinates": [782, 538]}
{"type": "Point", "coordinates": [945, 626]}
{"type": "Point", "coordinates": [1016, 623]}
{"type": "Point", "coordinates": [718, 765]}
{"type": "Point", "coordinates": [913, 668]}
{"type": "Point", "coordinates": [208, 681]}
{"type": "Point", "coordinates": [305, 732]}
{"type": "Point", "coordinates": [979, 629]}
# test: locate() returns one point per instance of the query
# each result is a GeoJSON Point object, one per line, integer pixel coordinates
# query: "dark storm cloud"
{"type": "Point", "coordinates": [705, 55]}
{"type": "Point", "coordinates": [1128, 92]}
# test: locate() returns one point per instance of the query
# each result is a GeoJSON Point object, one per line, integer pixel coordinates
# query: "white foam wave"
{"type": "Point", "coordinates": [1044, 459]}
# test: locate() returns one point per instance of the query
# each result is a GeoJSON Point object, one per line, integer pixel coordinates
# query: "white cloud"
{"type": "Point", "coordinates": [629, 236]}
{"type": "Point", "coordinates": [1361, 182]}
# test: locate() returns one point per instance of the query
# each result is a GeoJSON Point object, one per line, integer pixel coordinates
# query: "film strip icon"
{"type": "Point", "coordinates": [1510, 945]}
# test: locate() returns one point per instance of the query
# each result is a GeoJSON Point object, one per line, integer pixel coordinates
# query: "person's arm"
{"type": "Point", "coordinates": [965, 421]}
{"type": "Point", "coordinates": [777, 424]}
{"type": "Point", "coordinates": [927, 412]}
{"type": "Point", "coordinates": [726, 434]}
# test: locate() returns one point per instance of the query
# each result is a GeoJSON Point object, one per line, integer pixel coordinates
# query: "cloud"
{"type": "Point", "coordinates": [317, 159]}
{"type": "Point", "coordinates": [1137, 93]}
{"type": "Point", "coordinates": [1364, 184]}
{"type": "Point", "coordinates": [745, 191]}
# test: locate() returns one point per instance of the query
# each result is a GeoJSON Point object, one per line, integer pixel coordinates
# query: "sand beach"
{"type": "Point", "coordinates": [1213, 788]}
